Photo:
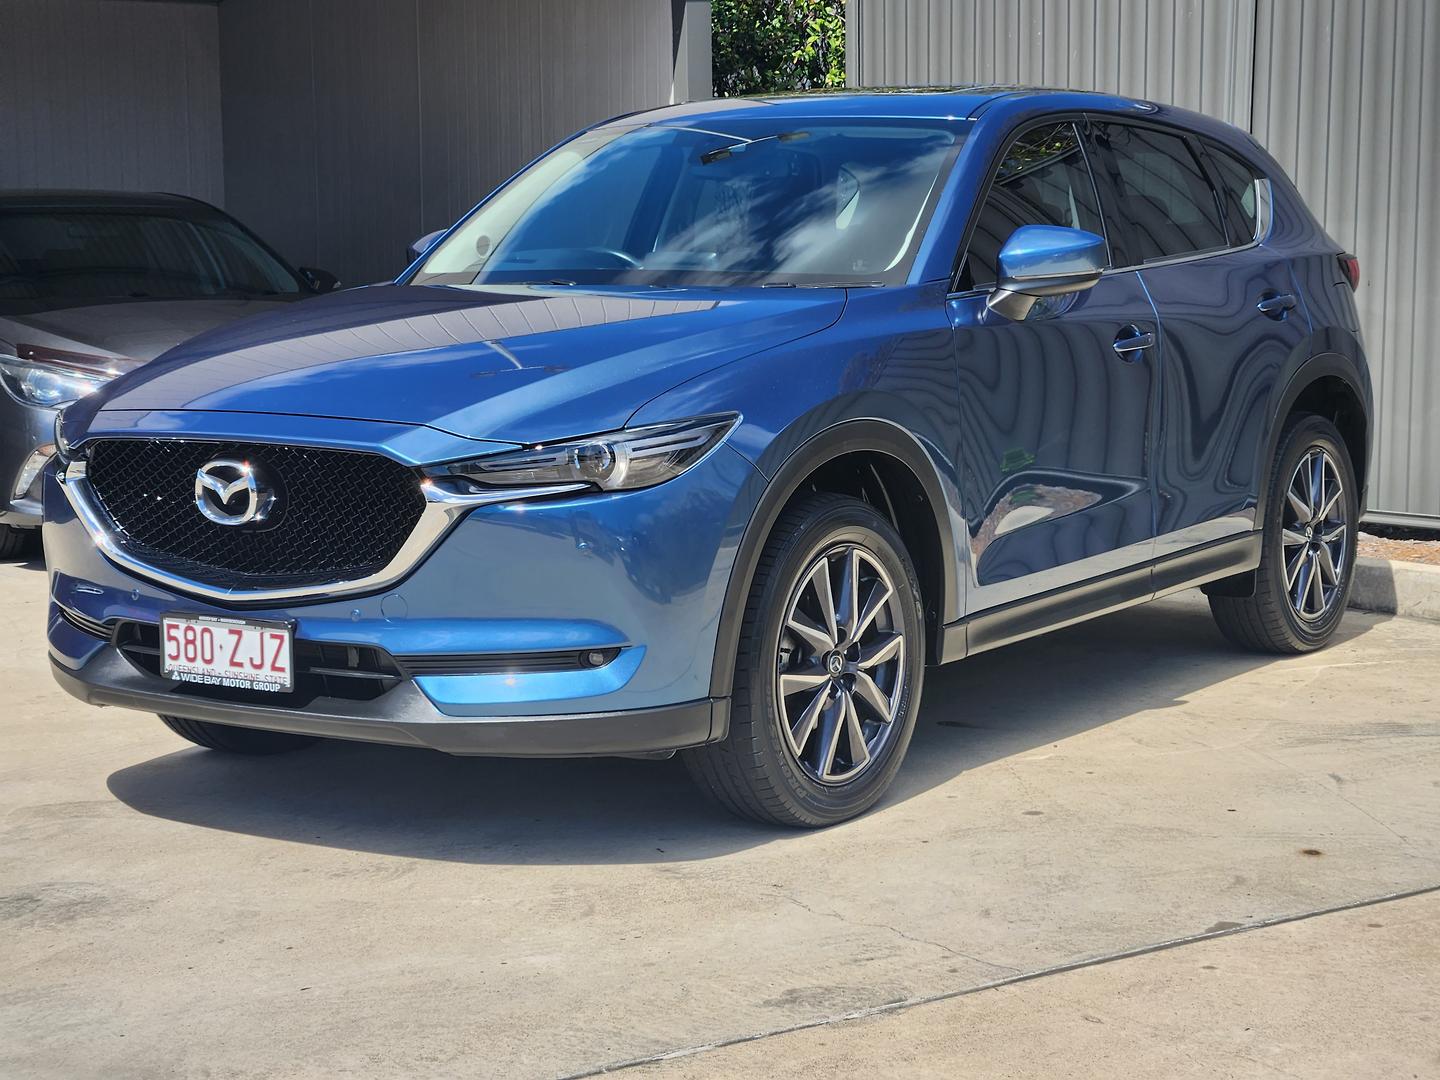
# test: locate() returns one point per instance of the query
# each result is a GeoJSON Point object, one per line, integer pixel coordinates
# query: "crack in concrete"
{"type": "Point", "coordinates": [1335, 791]}
{"type": "Point", "coordinates": [950, 995]}
{"type": "Point", "coordinates": [899, 933]}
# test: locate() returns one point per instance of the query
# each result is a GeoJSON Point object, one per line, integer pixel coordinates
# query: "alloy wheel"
{"type": "Point", "coordinates": [1313, 537]}
{"type": "Point", "coordinates": [841, 664]}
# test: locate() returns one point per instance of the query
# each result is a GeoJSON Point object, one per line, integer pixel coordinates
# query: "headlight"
{"type": "Point", "coordinates": [62, 444]}
{"type": "Point", "coordinates": [620, 461]}
{"type": "Point", "coordinates": [47, 385]}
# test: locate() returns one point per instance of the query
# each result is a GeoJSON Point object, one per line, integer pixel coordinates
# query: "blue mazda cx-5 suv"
{"type": "Point", "coordinates": [716, 425]}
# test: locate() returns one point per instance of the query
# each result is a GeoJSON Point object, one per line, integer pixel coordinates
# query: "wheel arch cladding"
{"type": "Point", "coordinates": [882, 465]}
{"type": "Point", "coordinates": [1334, 386]}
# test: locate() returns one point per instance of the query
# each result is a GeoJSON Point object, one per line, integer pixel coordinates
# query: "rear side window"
{"type": "Point", "coordinates": [1165, 206]}
{"type": "Point", "coordinates": [1237, 189]}
{"type": "Point", "coordinates": [1043, 180]}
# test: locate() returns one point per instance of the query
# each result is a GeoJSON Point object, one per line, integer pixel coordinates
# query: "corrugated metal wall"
{"type": "Point", "coordinates": [1345, 93]}
{"type": "Point", "coordinates": [1347, 97]}
{"type": "Point", "coordinates": [1191, 52]}
{"type": "Point", "coordinates": [354, 126]}
{"type": "Point", "coordinates": [124, 94]}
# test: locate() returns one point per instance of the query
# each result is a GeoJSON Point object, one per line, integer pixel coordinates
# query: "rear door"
{"type": "Point", "coordinates": [1191, 220]}
{"type": "Point", "coordinates": [1056, 423]}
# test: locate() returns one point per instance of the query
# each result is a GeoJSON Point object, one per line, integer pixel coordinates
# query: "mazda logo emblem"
{"type": "Point", "coordinates": [230, 492]}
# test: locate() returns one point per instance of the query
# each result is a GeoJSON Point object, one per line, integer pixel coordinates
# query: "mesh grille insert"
{"type": "Point", "coordinates": [341, 514]}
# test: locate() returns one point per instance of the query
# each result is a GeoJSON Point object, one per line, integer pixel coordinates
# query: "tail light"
{"type": "Point", "coordinates": [1350, 267]}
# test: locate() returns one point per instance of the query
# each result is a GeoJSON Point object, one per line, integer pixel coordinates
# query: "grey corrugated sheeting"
{"type": "Point", "coordinates": [354, 126]}
{"type": "Point", "coordinates": [121, 94]}
{"type": "Point", "coordinates": [1347, 97]}
{"type": "Point", "coordinates": [1345, 93]}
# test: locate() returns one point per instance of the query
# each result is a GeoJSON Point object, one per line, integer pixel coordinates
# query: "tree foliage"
{"type": "Point", "coordinates": [764, 46]}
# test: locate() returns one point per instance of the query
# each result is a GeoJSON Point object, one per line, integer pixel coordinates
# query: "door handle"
{"type": "Point", "coordinates": [1276, 306]}
{"type": "Point", "coordinates": [1131, 341]}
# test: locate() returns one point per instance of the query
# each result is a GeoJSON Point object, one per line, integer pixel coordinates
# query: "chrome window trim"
{"type": "Point", "coordinates": [443, 509]}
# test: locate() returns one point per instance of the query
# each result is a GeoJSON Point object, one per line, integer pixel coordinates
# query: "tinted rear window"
{"type": "Point", "coordinates": [1237, 188]}
{"type": "Point", "coordinates": [1165, 205]}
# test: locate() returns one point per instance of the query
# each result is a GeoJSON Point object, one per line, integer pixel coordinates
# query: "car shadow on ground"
{"type": "Point", "coordinates": [424, 804]}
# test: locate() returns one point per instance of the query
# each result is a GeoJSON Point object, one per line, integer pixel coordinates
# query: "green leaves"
{"type": "Point", "coordinates": [764, 46]}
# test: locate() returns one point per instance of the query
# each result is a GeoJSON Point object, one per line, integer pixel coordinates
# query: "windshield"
{"type": "Point", "coordinates": [82, 254]}
{"type": "Point", "coordinates": [810, 203]}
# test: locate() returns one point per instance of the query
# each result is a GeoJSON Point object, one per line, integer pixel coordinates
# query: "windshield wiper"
{"type": "Point", "coordinates": [823, 285]}
{"type": "Point", "coordinates": [552, 281]}
{"type": "Point", "coordinates": [722, 152]}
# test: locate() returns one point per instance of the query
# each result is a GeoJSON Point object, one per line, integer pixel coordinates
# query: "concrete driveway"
{"type": "Point", "coordinates": [367, 911]}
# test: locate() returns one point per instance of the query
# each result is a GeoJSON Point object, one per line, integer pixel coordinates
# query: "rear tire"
{"type": "Point", "coordinates": [236, 740]}
{"type": "Point", "coordinates": [1307, 560]}
{"type": "Point", "coordinates": [820, 719]}
{"type": "Point", "coordinates": [15, 542]}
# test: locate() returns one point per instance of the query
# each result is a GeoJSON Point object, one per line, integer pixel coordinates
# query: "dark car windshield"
{"type": "Point", "coordinates": [743, 203]}
{"type": "Point", "coordinates": [77, 255]}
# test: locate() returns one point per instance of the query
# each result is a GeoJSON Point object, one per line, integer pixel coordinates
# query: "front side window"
{"type": "Point", "coordinates": [1042, 180]}
{"type": "Point", "coordinates": [736, 203]}
{"type": "Point", "coordinates": [1165, 206]}
{"type": "Point", "coordinates": [1238, 186]}
{"type": "Point", "coordinates": [64, 255]}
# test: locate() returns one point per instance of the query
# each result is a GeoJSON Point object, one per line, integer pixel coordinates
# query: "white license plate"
{"type": "Point", "coordinates": [242, 653]}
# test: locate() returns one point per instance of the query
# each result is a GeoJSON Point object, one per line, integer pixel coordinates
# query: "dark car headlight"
{"type": "Point", "coordinates": [619, 461]}
{"type": "Point", "coordinates": [62, 444]}
{"type": "Point", "coordinates": [48, 378]}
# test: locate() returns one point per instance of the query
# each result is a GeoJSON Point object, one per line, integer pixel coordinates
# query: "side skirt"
{"type": "Point", "coordinates": [1100, 596]}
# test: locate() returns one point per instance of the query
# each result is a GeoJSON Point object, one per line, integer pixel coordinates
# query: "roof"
{"type": "Point", "coordinates": [74, 198]}
{"type": "Point", "coordinates": [907, 102]}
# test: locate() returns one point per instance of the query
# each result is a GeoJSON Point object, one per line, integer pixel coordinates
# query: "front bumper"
{"type": "Point", "coordinates": [641, 575]}
{"type": "Point", "coordinates": [406, 717]}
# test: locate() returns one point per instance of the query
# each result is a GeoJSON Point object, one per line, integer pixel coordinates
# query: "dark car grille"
{"type": "Point", "coordinates": [341, 514]}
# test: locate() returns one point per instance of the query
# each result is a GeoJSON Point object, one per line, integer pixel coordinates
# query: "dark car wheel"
{"type": "Point", "coordinates": [15, 542]}
{"type": "Point", "coordinates": [828, 673]}
{"type": "Point", "coordinates": [236, 740]}
{"type": "Point", "coordinates": [1308, 559]}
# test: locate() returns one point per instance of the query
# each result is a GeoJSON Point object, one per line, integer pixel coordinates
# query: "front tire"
{"type": "Point", "coordinates": [828, 674]}
{"type": "Point", "coordinates": [1307, 560]}
{"type": "Point", "coordinates": [236, 740]}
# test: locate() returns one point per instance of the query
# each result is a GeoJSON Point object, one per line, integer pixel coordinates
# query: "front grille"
{"type": "Point", "coordinates": [340, 514]}
{"type": "Point", "coordinates": [322, 669]}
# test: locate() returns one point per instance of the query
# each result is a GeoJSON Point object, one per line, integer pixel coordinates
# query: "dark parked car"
{"type": "Point", "coordinates": [92, 284]}
{"type": "Point", "coordinates": [714, 427]}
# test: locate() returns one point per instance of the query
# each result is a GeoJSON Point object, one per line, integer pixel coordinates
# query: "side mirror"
{"type": "Point", "coordinates": [322, 281]}
{"type": "Point", "coordinates": [424, 244]}
{"type": "Point", "coordinates": [1044, 260]}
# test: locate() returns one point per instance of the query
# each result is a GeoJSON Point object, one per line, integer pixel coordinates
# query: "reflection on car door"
{"type": "Point", "coordinates": [1055, 424]}
{"type": "Point", "coordinates": [1228, 319]}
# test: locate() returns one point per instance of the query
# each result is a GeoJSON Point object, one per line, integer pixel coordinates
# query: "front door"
{"type": "Point", "coordinates": [1056, 422]}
